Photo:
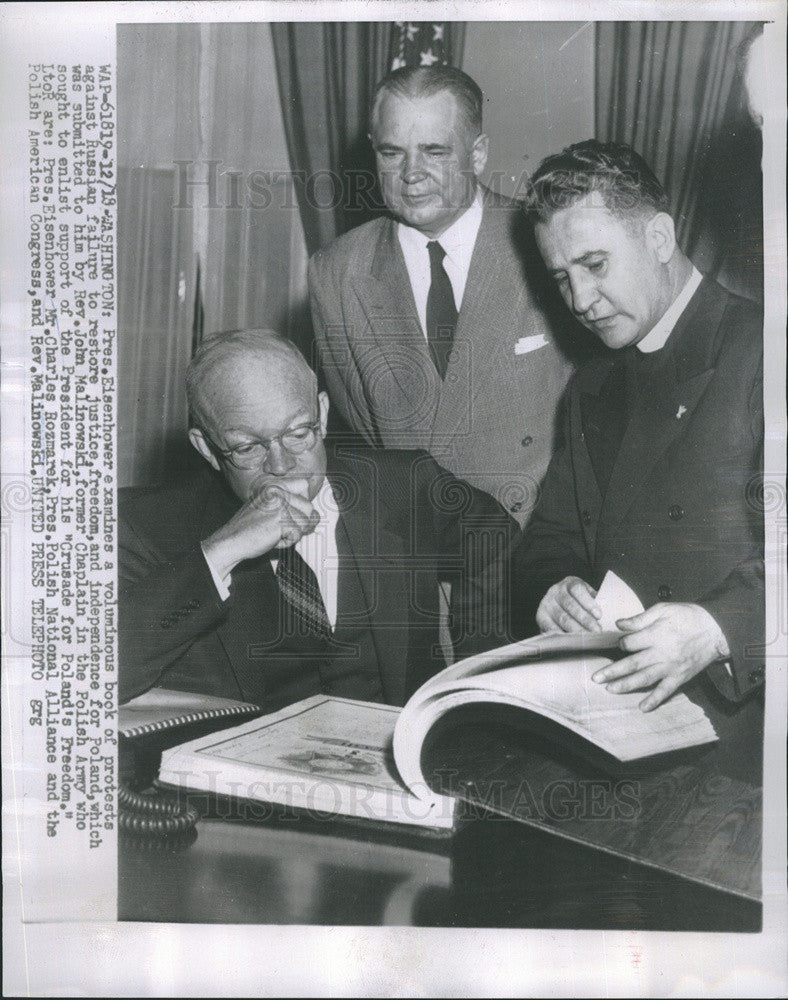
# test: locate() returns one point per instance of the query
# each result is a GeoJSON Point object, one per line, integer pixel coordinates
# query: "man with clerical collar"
{"type": "Point", "coordinates": [287, 567]}
{"type": "Point", "coordinates": [436, 324]}
{"type": "Point", "coordinates": [656, 473]}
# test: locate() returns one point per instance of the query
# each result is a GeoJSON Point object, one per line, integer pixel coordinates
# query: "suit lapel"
{"type": "Point", "coordinates": [591, 410]}
{"type": "Point", "coordinates": [667, 402]}
{"type": "Point", "coordinates": [665, 411]}
{"type": "Point", "coordinates": [376, 551]}
{"type": "Point", "coordinates": [396, 340]}
{"type": "Point", "coordinates": [478, 350]}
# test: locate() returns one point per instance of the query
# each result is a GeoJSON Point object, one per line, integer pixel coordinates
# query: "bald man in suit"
{"type": "Point", "coordinates": [288, 566]}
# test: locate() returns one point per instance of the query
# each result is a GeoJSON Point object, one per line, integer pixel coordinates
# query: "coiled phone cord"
{"type": "Point", "coordinates": [142, 814]}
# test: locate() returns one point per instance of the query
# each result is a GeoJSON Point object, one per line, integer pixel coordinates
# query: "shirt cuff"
{"type": "Point", "coordinates": [222, 583]}
{"type": "Point", "coordinates": [723, 649]}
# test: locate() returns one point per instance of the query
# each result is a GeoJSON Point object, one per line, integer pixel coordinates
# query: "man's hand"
{"type": "Point", "coordinates": [670, 644]}
{"type": "Point", "coordinates": [276, 516]}
{"type": "Point", "coordinates": [570, 607]}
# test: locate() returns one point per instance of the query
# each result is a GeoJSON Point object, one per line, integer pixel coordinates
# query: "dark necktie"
{"type": "Point", "coordinates": [441, 310]}
{"type": "Point", "coordinates": [304, 612]}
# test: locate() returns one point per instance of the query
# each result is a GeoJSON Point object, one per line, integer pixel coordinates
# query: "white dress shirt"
{"type": "Point", "coordinates": [658, 335]}
{"type": "Point", "coordinates": [458, 241]}
{"type": "Point", "coordinates": [318, 550]}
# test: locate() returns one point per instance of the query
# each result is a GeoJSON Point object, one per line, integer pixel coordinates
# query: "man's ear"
{"type": "Point", "coordinates": [479, 151]}
{"type": "Point", "coordinates": [198, 441]}
{"type": "Point", "coordinates": [322, 401]}
{"type": "Point", "coordinates": [661, 236]}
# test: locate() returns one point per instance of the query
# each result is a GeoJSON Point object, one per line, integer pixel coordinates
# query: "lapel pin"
{"type": "Point", "coordinates": [681, 411]}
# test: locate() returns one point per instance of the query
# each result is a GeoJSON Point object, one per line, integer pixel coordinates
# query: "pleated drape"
{"type": "Point", "coordinates": [674, 91]}
{"type": "Point", "coordinates": [209, 231]}
{"type": "Point", "coordinates": [327, 74]}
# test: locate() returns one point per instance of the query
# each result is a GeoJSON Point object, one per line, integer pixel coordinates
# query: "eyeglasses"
{"type": "Point", "coordinates": [251, 454]}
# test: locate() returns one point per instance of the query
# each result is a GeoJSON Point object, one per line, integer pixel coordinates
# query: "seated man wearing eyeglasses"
{"type": "Point", "coordinates": [287, 567]}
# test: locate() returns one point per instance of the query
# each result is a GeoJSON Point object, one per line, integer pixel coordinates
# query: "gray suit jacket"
{"type": "Point", "coordinates": [491, 421]}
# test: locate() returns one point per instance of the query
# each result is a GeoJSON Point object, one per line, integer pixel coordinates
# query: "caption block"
{"type": "Point", "coordinates": [72, 292]}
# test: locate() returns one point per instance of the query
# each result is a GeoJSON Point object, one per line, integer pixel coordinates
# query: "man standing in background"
{"type": "Point", "coordinates": [432, 325]}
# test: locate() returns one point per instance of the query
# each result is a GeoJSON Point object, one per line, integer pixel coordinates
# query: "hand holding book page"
{"type": "Point", "coordinates": [667, 645]}
{"type": "Point", "coordinates": [550, 674]}
{"type": "Point", "coordinates": [616, 600]}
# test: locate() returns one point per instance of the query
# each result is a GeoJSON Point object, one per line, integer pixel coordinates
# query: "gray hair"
{"type": "Point", "coordinates": [424, 81]}
{"type": "Point", "coordinates": [220, 351]}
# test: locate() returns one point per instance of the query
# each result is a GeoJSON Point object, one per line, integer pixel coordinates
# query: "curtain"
{"type": "Point", "coordinates": [674, 91]}
{"type": "Point", "coordinates": [155, 246]}
{"type": "Point", "coordinates": [209, 232]}
{"type": "Point", "coordinates": [327, 73]}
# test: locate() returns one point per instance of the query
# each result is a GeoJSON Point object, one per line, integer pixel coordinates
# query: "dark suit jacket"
{"type": "Point", "coordinates": [491, 421]}
{"type": "Point", "coordinates": [679, 519]}
{"type": "Point", "coordinates": [404, 520]}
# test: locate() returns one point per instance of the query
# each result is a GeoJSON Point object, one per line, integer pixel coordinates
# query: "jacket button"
{"type": "Point", "coordinates": [516, 506]}
{"type": "Point", "coordinates": [165, 623]}
{"type": "Point", "coordinates": [526, 441]}
{"type": "Point", "coordinates": [756, 675]}
{"type": "Point", "coordinates": [585, 516]}
{"type": "Point", "coordinates": [664, 593]}
{"type": "Point", "coordinates": [193, 603]}
{"type": "Point", "coordinates": [676, 512]}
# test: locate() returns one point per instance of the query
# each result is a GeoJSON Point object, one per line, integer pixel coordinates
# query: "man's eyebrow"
{"type": "Point", "coordinates": [589, 255]}
{"type": "Point", "coordinates": [585, 258]}
{"type": "Point", "coordinates": [422, 145]}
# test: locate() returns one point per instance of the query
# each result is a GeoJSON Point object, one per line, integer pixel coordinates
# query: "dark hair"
{"type": "Point", "coordinates": [424, 81]}
{"type": "Point", "coordinates": [622, 178]}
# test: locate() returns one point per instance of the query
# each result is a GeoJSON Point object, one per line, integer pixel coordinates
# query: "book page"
{"type": "Point", "coordinates": [332, 738]}
{"type": "Point", "coordinates": [330, 754]}
{"type": "Point", "coordinates": [60, 932]}
{"type": "Point", "coordinates": [564, 691]}
{"type": "Point", "coordinates": [617, 600]}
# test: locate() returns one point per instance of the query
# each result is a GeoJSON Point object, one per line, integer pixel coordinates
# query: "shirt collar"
{"type": "Point", "coordinates": [459, 239]}
{"type": "Point", "coordinates": [326, 505]}
{"type": "Point", "coordinates": [658, 335]}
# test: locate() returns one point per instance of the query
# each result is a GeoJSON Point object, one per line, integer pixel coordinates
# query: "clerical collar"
{"type": "Point", "coordinates": [459, 239]}
{"type": "Point", "coordinates": [658, 335]}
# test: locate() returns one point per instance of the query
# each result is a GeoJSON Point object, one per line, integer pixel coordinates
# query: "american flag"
{"type": "Point", "coordinates": [420, 43]}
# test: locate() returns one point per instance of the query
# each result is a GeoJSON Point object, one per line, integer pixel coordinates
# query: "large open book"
{"type": "Point", "coordinates": [345, 757]}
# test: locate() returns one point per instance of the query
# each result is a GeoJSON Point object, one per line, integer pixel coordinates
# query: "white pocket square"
{"type": "Point", "coordinates": [526, 344]}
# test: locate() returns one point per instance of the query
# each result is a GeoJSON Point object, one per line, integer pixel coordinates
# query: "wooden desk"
{"type": "Point", "coordinates": [687, 858]}
{"type": "Point", "coordinates": [491, 873]}
{"type": "Point", "coordinates": [690, 814]}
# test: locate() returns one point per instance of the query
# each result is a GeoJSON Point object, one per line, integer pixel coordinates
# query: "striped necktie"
{"type": "Point", "coordinates": [303, 612]}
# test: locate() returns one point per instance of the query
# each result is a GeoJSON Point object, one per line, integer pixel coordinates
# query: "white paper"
{"type": "Point", "coordinates": [616, 600]}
